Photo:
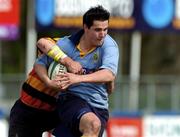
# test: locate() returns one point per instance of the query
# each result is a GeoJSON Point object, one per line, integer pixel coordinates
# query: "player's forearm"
{"type": "Point", "coordinates": [67, 61]}
{"type": "Point", "coordinates": [42, 73]}
{"type": "Point", "coordinates": [50, 48]}
{"type": "Point", "coordinates": [101, 76]}
{"type": "Point", "coordinates": [45, 45]}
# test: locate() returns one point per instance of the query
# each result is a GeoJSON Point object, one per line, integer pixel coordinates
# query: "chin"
{"type": "Point", "coordinates": [100, 43]}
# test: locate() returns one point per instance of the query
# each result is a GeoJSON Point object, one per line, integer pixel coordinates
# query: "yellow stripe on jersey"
{"type": "Point", "coordinates": [40, 86]}
{"type": "Point", "coordinates": [82, 54]}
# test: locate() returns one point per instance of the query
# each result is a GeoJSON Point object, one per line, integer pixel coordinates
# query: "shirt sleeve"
{"type": "Point", "coordinates": [44, 60]}
{"type": "Point", "coordinates": [110, 58]}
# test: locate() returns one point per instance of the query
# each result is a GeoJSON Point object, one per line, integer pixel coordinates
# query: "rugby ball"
{"type": "Point", "coordinates": [55, 68]}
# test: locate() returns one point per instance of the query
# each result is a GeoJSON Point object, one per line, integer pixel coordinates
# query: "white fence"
{"type": "Point", "coordinates": [155, 93]}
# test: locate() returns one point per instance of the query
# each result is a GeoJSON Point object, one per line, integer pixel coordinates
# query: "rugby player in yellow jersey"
{"type": "Point", "coordinates": [36, 109]}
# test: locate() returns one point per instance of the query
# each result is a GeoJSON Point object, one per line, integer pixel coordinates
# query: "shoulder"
{"type": "Point", "coordinates": [64, 39]}
{"type": "Point", "coordinates": [109, 41]}
{"type": "Point", "coordinates": [65, 43]}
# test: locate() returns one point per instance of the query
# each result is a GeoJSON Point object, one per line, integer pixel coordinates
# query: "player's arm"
{"type": "Point", "coordinates": [110, 87]}
{"type": "Point", "coordinates": [42, 73]}
{"type": "Point", "coordinates": [106, 74]}
{"type": "Point", "coordinates": [101, 76]}
{"type": "Point", "coordinates": [50, 48]}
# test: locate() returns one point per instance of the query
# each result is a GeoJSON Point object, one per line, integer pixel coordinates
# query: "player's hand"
{"type": "Point", "coordinates": [55, 84]}
{"type": "Point", "coordinates": [72, 66]}
{"type": "Point", "coordinates": [67, 79]}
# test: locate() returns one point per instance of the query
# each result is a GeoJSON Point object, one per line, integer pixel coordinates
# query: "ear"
{"type": "Point", "coordinates": [85, 27]}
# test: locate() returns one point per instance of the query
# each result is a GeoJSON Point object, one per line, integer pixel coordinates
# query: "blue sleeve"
{"type": "Point", "coordinates": [110, 58]}
{"type": "Point", "coordinates": [44, 60]}
{"type": "Point", "coordinates": [66, 46]}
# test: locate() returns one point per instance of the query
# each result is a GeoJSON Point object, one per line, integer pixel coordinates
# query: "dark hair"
{"type": "Point", "coordinates": [95, 13]}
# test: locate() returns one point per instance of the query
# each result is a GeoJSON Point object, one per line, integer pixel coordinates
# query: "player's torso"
{"type": "Point", "coordinates": [94, 93]}
{"type": "Point", "coordinates": [37, 95]}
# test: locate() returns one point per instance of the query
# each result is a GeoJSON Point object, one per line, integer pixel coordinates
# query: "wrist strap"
{"type": "Point", "coordinates": [56, 53]}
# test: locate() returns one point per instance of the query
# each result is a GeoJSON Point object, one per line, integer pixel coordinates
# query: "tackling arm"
{"type": "Point", "coordinates": [101, 76]}
{"type": "Point", "coordinates": [50, 48]}
{"type": "Point", "coordinates": [42, 73]}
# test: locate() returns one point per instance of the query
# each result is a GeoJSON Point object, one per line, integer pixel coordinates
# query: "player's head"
{"type": "Point", "coordinates": [95, 13]}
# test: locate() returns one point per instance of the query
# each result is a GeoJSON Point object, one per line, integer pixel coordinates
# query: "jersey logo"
{"type": "Point", "coordinates": [88, 71]}
{"type": "Point", "coordinates": [95, 57]}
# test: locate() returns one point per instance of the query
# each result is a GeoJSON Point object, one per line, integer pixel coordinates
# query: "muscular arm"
{"type": "Point", "coordinates": [110, 87]}
{"type": "Point", "coordinates": [101, 76]}
{"type": "Point", "coordinates": [50, 48]}
{"type": "Point", "coordinates": [42, 73]}
{"type": "Point", "coordinates": [45, 44]}
{"type": "Point", "coordinates": [62, 81]}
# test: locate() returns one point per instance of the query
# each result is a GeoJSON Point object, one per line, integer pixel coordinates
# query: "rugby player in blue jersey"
{"type": "Point", "coordinates": [83, 106]}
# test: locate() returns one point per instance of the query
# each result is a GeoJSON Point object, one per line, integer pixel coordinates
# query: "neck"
{"type": "Point", "coordinates": [84, 44]}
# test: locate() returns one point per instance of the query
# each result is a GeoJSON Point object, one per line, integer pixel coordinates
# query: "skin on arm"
{"type": "Point", "coordinates": [101, 76]}
{"type": "Point", "coordinates": [110, 87]}
{"type": "Point", "coordinates": [50, 48]}
{"type": "Point", "coordinates": [42, 73]}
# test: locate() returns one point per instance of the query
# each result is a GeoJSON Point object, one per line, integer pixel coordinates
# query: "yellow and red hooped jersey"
{"type": "Point", "coordinates": [36, 94]}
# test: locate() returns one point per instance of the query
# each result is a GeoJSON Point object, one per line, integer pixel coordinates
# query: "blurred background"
{"type": "Point", "coordinates": [146, 100]}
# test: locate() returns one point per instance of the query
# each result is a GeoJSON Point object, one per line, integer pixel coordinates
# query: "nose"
{"type": "Point", "coordinates": [102, 34]}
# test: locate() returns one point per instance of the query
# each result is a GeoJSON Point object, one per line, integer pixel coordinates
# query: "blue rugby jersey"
{"type": "Point", "coordinates": [105, 56]}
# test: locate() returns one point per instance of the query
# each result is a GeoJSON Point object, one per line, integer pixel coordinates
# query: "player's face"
{"type": "Point", "coordinates": [97, 32]}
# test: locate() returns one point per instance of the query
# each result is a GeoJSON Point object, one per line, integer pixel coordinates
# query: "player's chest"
{"type": "Point", "coordinates": [90, 60]}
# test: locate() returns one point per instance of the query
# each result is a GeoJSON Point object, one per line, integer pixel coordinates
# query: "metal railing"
{"type": "Point", "coordinates": [155, 93]}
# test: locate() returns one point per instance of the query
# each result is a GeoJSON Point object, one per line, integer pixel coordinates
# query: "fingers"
{"type": "Point", "coordinates": [66, 79]}
{"type": "Point", "coordinates": [63, 84]}
{"type": "Point", "coordinates": [62, 80]}
{"type": "Point", "coordinates": [55, 84]}
{"type": "Point", "coordinates": [61, 76]}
